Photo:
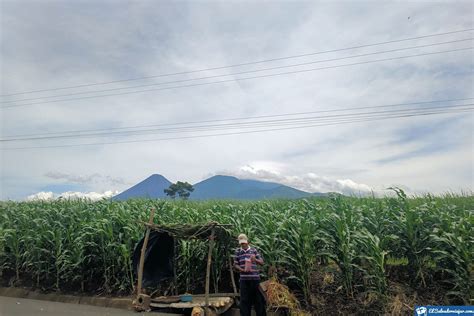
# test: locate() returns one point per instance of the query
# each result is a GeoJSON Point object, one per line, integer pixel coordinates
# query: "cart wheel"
{"type": "Point", "coordinates": [142, 302]}
{"type": "Point", "coordinates": [209, 311]}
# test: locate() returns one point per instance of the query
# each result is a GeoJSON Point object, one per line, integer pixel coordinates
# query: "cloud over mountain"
{"type": "Point", "coordinates": [309, 182]}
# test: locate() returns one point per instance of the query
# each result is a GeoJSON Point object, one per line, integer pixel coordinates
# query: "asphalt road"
{"type": "Point", "coordinates": [26, 307]}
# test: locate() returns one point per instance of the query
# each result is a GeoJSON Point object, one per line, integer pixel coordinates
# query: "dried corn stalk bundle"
{"type": "Point", "coordinates": [279, 296]}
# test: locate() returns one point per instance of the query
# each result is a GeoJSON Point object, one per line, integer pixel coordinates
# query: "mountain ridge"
{"type": "Point", "coordinates": [152, 187]}
{"type": "Point", "coordinates": [216, 187]}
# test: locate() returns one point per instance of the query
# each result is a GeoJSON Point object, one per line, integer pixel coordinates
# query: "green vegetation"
{"type": "Point", "coordinates": [80, 245]}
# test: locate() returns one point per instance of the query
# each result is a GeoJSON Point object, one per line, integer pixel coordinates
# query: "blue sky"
{"type": "Point", "coordinates": [49, 44]}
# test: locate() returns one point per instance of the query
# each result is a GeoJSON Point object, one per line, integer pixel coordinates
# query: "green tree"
{"type": "Point", "coordinates": [183, 189]}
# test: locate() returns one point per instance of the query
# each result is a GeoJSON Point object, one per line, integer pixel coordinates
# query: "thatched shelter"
{"type": "Point", "coordinates": [154, 260]}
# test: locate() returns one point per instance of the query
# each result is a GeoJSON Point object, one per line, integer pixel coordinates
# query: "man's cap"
{"type": "Point", "coordinates": [243, 239]}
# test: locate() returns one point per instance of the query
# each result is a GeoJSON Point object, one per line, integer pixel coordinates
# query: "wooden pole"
{"type": "Point", "coordinates": [209, 259]}
{"type": "Point", "coordinates": [175, 278]}
{"type": "Point", "coordinates": [142, 255]}
{"type": "Point", "coordinates": [217, 295]}
{"type": "Point", "coordinates": [232, 276]}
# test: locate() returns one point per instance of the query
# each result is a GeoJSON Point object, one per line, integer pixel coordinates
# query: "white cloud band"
{"type": "Point", "coordinates": [93, 196]}
{"type": "Point", "coordinates": [309, 182]}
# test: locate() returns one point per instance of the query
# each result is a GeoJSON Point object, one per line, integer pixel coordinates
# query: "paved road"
{"type": "Point", "coordinates": [26, 307]}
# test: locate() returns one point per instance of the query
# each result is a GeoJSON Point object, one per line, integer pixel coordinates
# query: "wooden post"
{"type": "Point", "coordinates": [142, 255]}
{"type": "Point", "coordinates": [175, 277]}
{"type": "Point", "coordinates": [208, 270]}
{"type": "Point", "coordinates": [232, 276]}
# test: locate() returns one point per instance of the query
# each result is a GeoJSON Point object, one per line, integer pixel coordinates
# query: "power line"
{"type": "Point", "coordinates": [239, 125]}
{"type": "Point", "coordinates": [241, 64]}
{"type": "Point", "coordinates": [302, 125]}
{"type": "Point", "coordinates": [240, 133]}
{"type": "Point", "coordinates": [245, 78]}
{"type": "Point", "coordinates": [243, 118]}
{"type": "Point", "coordinates": [237, 73]}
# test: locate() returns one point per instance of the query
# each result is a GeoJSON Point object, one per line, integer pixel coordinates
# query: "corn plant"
{"type": "Point", "coordinates": [371, 259]}
{"type": "Point", "coordinates": [81, 245]}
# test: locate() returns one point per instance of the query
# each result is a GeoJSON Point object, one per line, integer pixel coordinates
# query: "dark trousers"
{"type": "Point", "coordinates": [250, 295]}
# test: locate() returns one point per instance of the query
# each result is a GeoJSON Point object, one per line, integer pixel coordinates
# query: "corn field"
{"type": "Point", "coordinates": [83, 246]}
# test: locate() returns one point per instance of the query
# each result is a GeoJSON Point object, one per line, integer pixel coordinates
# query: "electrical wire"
{"type": "Point", "coordinates": [245, 78]}
{"type": "Point", "coordinates": [242, 64]}
{"type": "Point", "coordinates": [238, 125]}
{"type": "Point", "coordinates": [236, 73]}
{"type": "Point", "coordinates": [248, 132]}
{"type": "Point", "coordinates": [240, 118]}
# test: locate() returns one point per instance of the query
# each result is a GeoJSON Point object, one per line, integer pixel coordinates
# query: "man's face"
{"type": "Point", "coordinates": [244, 245]}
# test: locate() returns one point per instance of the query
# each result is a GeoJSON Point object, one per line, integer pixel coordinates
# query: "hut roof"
{"type": "Point", "coordinates": [194, 231]}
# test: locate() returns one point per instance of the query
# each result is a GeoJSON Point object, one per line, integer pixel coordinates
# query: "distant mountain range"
{"type": "Point", "coordinates": [216, 187]}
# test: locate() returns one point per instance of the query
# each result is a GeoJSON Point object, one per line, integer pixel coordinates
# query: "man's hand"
{"type": "Point", "coordinates": [238, 268]}
{"type": "Point", "coordinates": [253, 258]}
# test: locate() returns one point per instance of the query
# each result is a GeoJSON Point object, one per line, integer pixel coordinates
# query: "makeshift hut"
{"type": "Point", "coordinates": [154, 260]}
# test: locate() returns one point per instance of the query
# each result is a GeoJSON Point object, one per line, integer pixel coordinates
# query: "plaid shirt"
{"type": "Point", "coordinates": [239, 259]}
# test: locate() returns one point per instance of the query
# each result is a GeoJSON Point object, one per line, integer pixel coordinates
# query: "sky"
{"type": "Point", "coordinates": [54, 44]}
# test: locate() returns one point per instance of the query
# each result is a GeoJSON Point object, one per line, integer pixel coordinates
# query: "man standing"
{"type": "Point", "coordinates": [245, 262]}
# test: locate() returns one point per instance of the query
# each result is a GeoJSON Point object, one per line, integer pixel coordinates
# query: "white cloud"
{"type": "Point", "coordinates": [93, 196]}
{"type": "Point", "coordinates": [44, 196]}
{"type": "Point", "coordinates": [309, 182]}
